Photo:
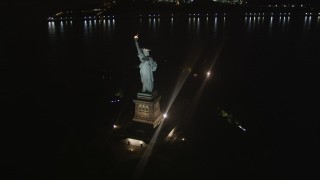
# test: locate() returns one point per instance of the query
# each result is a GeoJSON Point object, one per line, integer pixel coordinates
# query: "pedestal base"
{"type": "Point", "coordinates": [147, 109]}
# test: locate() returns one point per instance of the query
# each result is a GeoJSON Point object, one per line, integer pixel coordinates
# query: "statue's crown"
{"type": "Point", "coordinates": [145, 49]}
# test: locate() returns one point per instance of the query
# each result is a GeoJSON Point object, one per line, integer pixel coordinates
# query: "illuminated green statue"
{"type": "Point", "coordinates": [147, 66]}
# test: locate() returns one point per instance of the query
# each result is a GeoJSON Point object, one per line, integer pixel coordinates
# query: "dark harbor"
{"type": "Point", "coordinates": [145, 90]}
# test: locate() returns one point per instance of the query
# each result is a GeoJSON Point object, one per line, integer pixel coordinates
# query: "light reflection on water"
{"type": "Point", "coordinates": [61, 26]}
{"type": "Point", "coordinates": [171, 22]}
{"type": "Point", "coordinates": [196, 25]}
{"type": "Point", "coordinates": [207, 22]}
{"type": "Point", "coordinates": [224, 22]}
{"type": "Point", "coordinates": [93, 27]}
{"type": "Point", "coordinates": [215, 27]}
{"type": "Point", "coordinates": [270, 24]}
{"type": "Point", "coordinates": [86, 28]}
{"type": "Point", "coordinates": [251, 22]}
{"type": "Point", "coordinates": [149, 23]}
{"type": "Point", "coordinates": [52, 32]}
{"type": "Point", "coordinates": [307, 22]}
{"type": "Point", "coordinates": [104, 25]}
{"type": "Point", "coordinates": [51, 28]}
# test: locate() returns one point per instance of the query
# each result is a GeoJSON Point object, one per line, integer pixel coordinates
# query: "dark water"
{"type": "Point", "coordinates": [60, 77]}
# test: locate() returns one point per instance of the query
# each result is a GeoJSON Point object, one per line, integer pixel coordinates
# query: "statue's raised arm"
{"type": "Point", "coordinates": [140, 53]}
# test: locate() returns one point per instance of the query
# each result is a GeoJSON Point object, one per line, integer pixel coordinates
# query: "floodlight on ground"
{"type": "Point", "coordinates": [165, 115]}
{"type": "Point", "coordinates": [242, 128]}
{"type": "Point", "coordinates": [208, 73]}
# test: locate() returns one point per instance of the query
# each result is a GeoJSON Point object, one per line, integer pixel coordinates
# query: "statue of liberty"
{"type": "Point", "coordinates": [147, 66]}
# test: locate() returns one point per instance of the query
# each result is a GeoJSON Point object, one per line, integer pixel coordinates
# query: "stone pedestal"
{"type": "Point", "coordinates": [147, 109]}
